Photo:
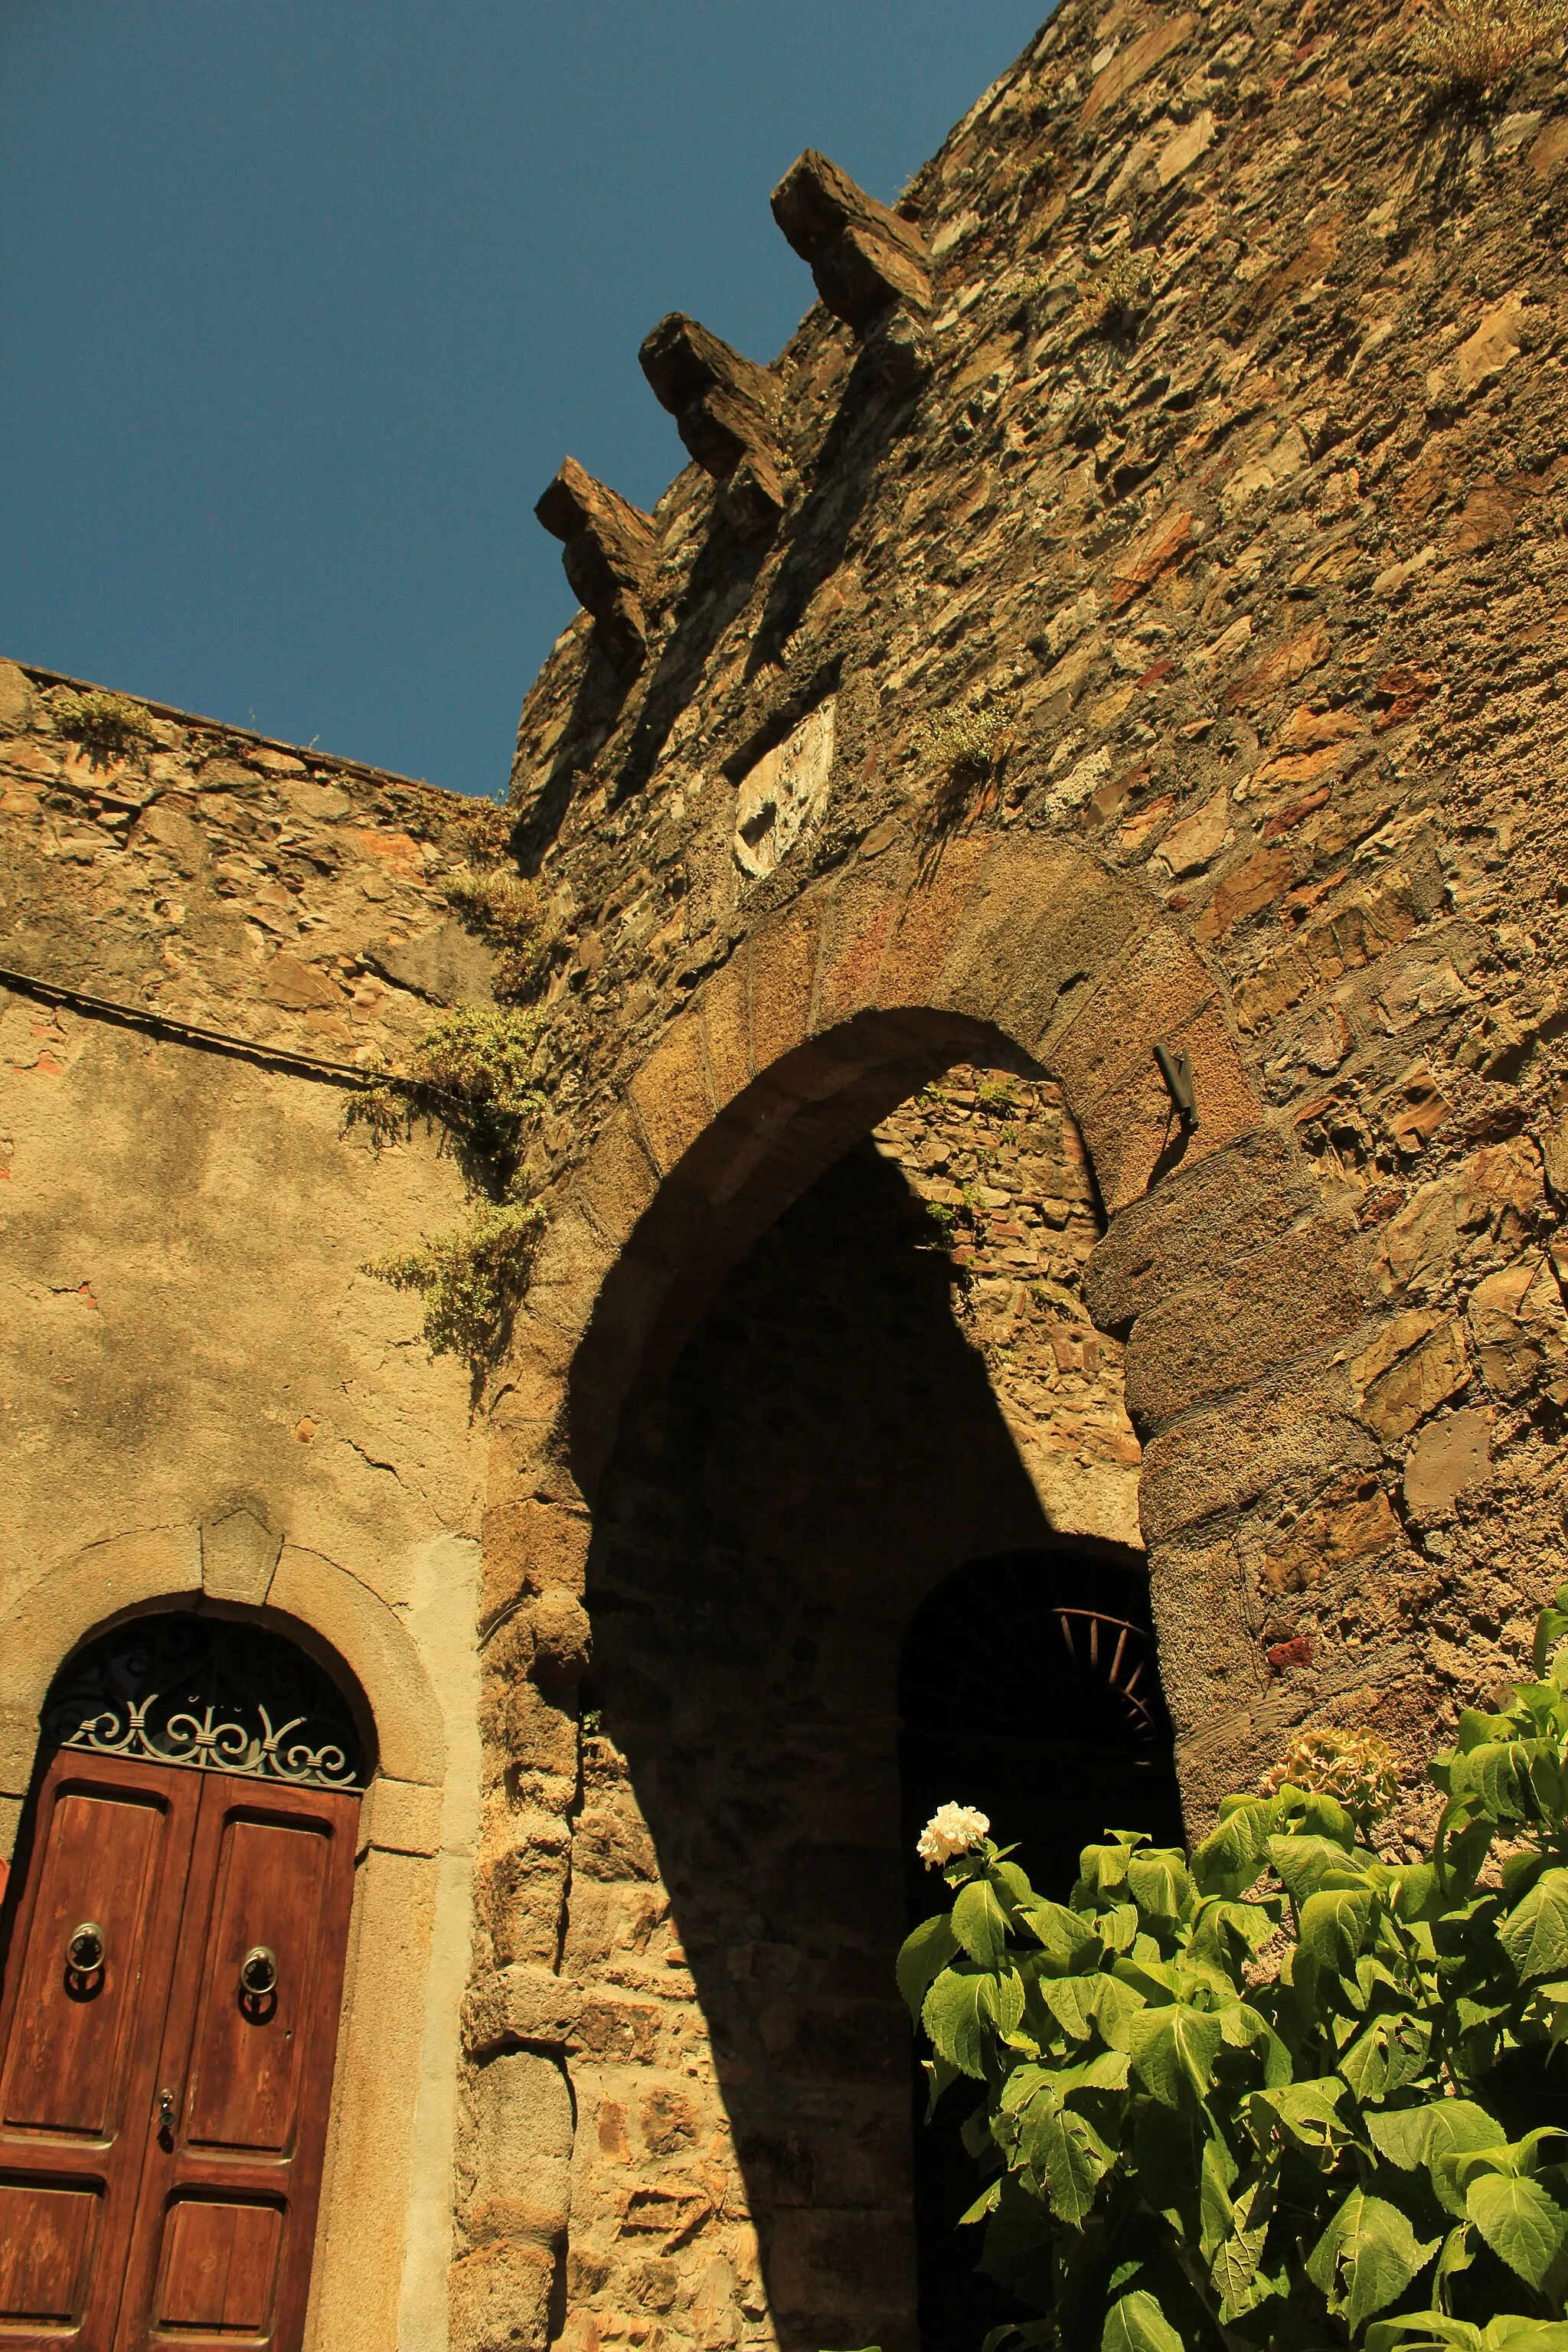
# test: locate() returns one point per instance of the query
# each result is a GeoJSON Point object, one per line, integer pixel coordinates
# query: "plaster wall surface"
{"type": "Point", "coordinates": [207, 1401]}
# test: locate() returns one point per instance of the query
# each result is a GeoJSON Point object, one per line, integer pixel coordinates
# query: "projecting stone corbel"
{"type": "Point", "coordinates": [609, 557]}
{"type": "Point", "coordinates": [872, 268]}
{"type": "Point", "coordinates": [724, 408]}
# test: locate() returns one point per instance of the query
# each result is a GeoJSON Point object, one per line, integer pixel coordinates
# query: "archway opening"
{"type": "Point", "coordinates": [895, 1376]}
{"type": "Point", "coordinates": [1029, 1688]}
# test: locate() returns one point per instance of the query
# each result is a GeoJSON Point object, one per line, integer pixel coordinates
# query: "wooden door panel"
{"type": "Point", "coordinates": [226, 2222]}
{"type": "Point", "coordinates": [105, 1838]}
{"type": "Point", "coordinates": [49, 2233]}
{"type": "Point", "coordinates": [219, 2274]}
{"type": "Point", "coordinates": [65, 2051]}
{"type": "Point", "coordinates": [245, 2052]}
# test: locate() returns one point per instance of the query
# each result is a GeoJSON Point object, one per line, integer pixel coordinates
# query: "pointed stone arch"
{"type": "Point", "coordinates": [1233, 1286]}
{"type": "Point", "coordinates": [1233, 1290]}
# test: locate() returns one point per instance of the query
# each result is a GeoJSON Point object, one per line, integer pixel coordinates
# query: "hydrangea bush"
{"type": "Point", "coordinates": [1279, 2093]}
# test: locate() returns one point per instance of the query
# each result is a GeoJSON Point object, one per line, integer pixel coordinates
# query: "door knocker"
{"type": "Point", "coordinates": [86, 1951]}
{"type": "Point", "coordinates": [257, 1978]}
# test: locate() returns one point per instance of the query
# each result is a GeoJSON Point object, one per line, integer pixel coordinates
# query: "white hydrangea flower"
{"type": "Point", "coordinates": [952, 1830]}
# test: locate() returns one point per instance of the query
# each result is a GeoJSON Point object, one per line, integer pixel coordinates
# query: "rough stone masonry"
{"type": "Point", "coordinates": [1131, 609]}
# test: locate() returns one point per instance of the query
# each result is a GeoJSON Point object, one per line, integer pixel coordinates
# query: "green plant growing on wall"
{"type": "Point", "coordinates": [470, 1278]}
{"type": "Point", "coordinates": [1283, 2093]}
{"type": "Point", "coordinates": [108, 726]}
{"type": "Point", "coordinates": [961, 750]}
{"type": "Point", "coordinates": [508, 909]}
{"type": "Point", "coordinates": [1467, 48]}
{"type": "Point", "coordinates": [1113, 299]}
{"type": "Point", "coordinates": [475, 1074]}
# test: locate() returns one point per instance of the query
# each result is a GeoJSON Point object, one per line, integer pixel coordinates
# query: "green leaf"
{"type": "Point", "coordinates": [1507, 1780]}
{"type": "Point", "coordinates": [1068, 1939]}
{"type": "Point", "coordinates": [1389, 2054]}
{"type": "Point", "coordinates": [1303, 1861]}
{"type": "Point", "coordinates": [1336, 1926]}
{"type": "Point", "coordinates": [1519, 2223]}
{"type": "Point", "coordinates": [1067, 2001]}
{"type": "Point", "coordinates": [1550, 1629]}
{"type": "Point", "coordinates": [1101, 1869]}
{"type": "Point", "coordinates": [1306, 2115]}
{"type": "Point", "coordinates": [965, 2011]}
{"type": "Point", "coordinates": [1423, 2331]}
{"type": "Point", "coordinates": [1111, 2005]}
{"type": "Point", "coordinates": [1228, 1860]}
{"type": "Point", "coordinates": [1159, 1882]}
{"type": "Point", "coordinates": [923, 1956]}
{"type": "Point", "coordinates": [1413, 2136]}
{"type": "Point", "coordinates": [1172, 2050]}
{"type": "Point", "coordinates": [1068, 2154]}
{"type": "Point", "coordinates": [1217, 2177]}
{"type": "Point", "coordinates": [1137, 2324]}
{"type": "Point", "coordinates": [1310, 1814]}
{"type": "Point", "coordinates": [1235, 2267]}
{"type": "Point", "coordinates": [979, 1922]}
{"type": "Point", "coordinates": [986, 2202]}
{"type": "Point", "coordinates": [1367, 2255]}
{"type": "Point", "coordinates": [1535, 1933]}
{"type": "Point", "coordinates": [1117, 1928]}
{"type": "Point", "coordinates": [1226, 1932]}
{"type": "Point", "coordinates": [1014, 1882]}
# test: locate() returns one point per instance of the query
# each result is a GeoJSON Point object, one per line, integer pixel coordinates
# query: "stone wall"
{"type": "Point", "coordinates": [1001, 1164]}
{"type": "Point", "coordinates": [206, 1401]}
{"type": "Point", "coordinates": [1156, 637]}
{"type": "Point", "coordinates": [1220, 545]}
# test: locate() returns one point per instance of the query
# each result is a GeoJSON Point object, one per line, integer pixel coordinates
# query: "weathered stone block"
{"type": "Point", "coordinates": [1450, 1455]}
{"type": "Point", "coordinates": [863, 257]}
{"type": "Point", "coordinates": [238, 1556]}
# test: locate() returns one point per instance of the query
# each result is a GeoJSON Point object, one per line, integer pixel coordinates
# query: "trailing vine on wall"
{"type": "Point", "coordinates": [475, 1075]}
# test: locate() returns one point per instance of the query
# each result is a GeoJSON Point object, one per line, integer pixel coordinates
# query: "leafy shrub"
{"type": "Point", "coordinates": [471, 1278]}
{"type": "Point", "coordinates": [1283, 2093]}
{"type": "Point", "coordinates": [108, 725]}
{"type": "Point", "coordinates": [1111, 300]}
{"type": "Point", "coordinates": [475, 1072]}
{"type": "Point", "coordinates": [961, 749]}
{"type": "Point", "coordinates": [1467, 47]}
{"type": "Point", "coordinates": [507, 908]}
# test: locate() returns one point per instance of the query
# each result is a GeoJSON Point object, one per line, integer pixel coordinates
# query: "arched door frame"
{"type": "Point", "coordinates": [372, 2195]}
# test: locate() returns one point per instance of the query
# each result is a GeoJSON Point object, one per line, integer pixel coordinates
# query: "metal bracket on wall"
{"type": "Point", "coordinates": [1176, 1070]}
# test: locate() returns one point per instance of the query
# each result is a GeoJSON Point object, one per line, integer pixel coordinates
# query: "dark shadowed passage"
{"type": "Point", "coordinates": [825, 1458]}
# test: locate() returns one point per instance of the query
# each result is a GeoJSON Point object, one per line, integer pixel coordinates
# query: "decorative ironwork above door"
{"type": "Point", "coordinates": [210, 1693]}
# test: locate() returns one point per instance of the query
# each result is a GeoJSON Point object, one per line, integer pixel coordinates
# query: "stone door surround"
{"type": "Point", "coordinates": [235, 1566]}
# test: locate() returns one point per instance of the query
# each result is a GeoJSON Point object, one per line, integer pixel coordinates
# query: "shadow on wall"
{"type": "Point", "coordinates": [825, 1449]}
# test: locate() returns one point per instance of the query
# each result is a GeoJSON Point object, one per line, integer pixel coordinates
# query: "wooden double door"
{"type": "Point", "coordinates": [173, 1976]}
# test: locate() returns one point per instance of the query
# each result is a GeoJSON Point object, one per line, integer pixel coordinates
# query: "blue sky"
{"type": "Point", "coordinates": [301, 301]}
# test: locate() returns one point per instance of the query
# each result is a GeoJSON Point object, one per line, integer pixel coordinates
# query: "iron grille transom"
{"type": "Point", "coordinates": [209, 1694]}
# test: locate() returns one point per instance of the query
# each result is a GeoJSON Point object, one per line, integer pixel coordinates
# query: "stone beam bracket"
{"type": "Point", "coordinates": [610, 556]}
{"type": "Point", "coordinates": [725, 409]}
{"type": "Point", "coordinates": [872, 268]}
